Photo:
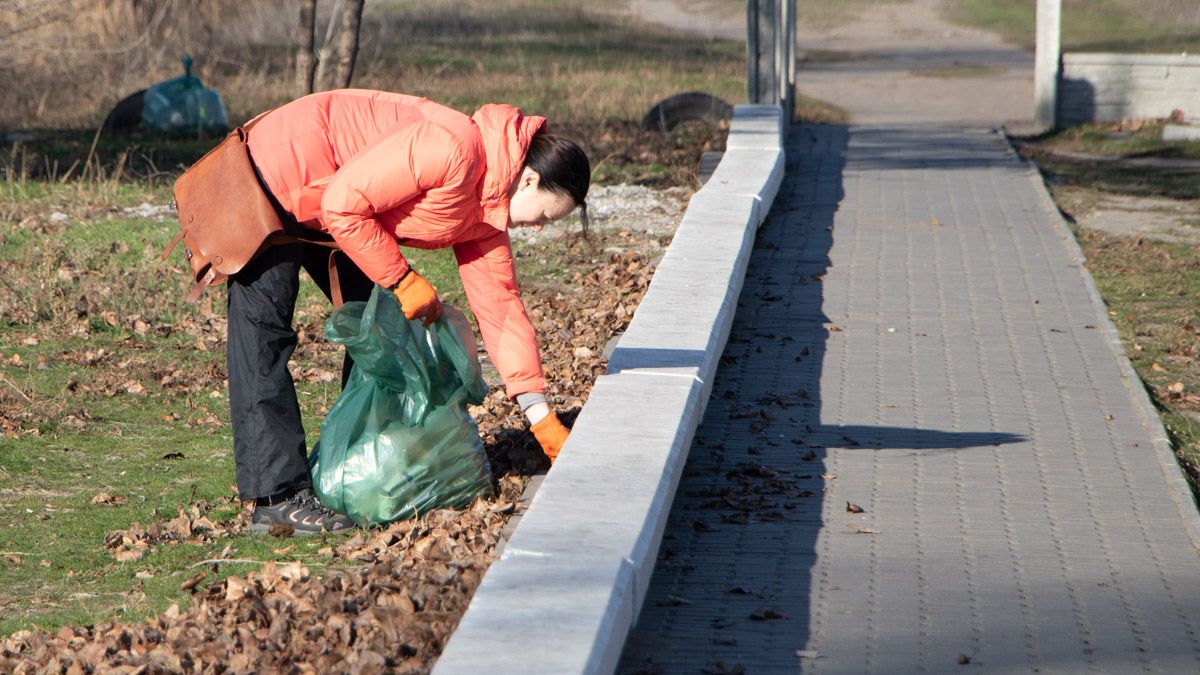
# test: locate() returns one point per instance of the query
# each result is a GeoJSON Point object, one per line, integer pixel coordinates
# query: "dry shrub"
{"type": "Point", "coordinates": [63, 61]}
{"type": "Point", "coordinates": [70, 61]}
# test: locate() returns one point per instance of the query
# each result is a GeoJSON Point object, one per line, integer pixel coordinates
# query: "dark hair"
{"type": "Point", "coordinates": [563, 167]}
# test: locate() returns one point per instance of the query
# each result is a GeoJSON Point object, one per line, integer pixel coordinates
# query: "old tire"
{"type": "Point", "coordinates": [127, 114]}
{"type": "Point", "coordinates": [686, 107]}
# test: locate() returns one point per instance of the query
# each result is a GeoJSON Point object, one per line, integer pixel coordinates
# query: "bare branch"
{"type": "Point", "coordinates": [306, 64]}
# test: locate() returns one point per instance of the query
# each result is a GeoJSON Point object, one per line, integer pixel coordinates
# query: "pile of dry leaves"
{"type": "Point", "coordinates": [397, 593]}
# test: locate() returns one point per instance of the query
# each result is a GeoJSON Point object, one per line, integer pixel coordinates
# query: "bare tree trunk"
{"type": "Point", "coordinates": [324, 77]}
{"type": "Point", "coordinates": [347, 46]}
{"type": "Point", "coordinates": [306, 63]}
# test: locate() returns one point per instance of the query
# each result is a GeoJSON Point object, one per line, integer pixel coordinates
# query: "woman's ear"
{"type": "Point", "coordinates": [530, 178]}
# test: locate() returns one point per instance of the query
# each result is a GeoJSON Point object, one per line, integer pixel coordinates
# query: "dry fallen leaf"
{"type": "Point", "coordinates": [673, 601]}
{"type": "Point", "coordinates": [191, 583]}
{"type": "Point", "coordinates": [106, 499]}
{"type": "Point", "coordinates": [236, 588]}
{"type": "Point", "coordinates": [132, 553]}
{"type": "Point", "coordinates": [766, 614]}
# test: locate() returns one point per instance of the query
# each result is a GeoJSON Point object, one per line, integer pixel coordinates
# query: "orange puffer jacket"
{"type": "Point", "coordinates": [377, 170]}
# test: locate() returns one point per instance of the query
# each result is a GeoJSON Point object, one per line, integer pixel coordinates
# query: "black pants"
{"type": "Point", "coordinates": [268, 439]}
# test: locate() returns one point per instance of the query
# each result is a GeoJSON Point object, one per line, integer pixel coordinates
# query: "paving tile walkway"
{"type": "Point", "coordinates": [916, 339]}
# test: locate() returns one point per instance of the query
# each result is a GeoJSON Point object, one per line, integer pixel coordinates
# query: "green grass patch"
{"type": "Point", "coordinates": [1064, 157]}
{"type": "Point", "coordinates": [1141, 26]}
{"type": "Point", "coordinates": [110, 382]}
{"type": "Point", "coordinates": [1152, 290]}
{"type": "Point", "coordinates": [1138, 181]}
{"type": "Point", "coordinates": [1128, 140]}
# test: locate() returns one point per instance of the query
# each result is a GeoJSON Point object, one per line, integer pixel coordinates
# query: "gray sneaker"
{"type": "Point", "coordinates": [303, 512]}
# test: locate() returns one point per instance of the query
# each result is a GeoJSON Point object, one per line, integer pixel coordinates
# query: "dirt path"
{"type": "Point", "coordinates": [895, 63]}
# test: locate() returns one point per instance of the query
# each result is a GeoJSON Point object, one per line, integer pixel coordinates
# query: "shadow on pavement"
{"type": "Point", "coordinates": [732, 588]}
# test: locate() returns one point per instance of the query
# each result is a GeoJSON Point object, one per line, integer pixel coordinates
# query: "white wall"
{"type": "Point", "coordinates": [1111, 87]}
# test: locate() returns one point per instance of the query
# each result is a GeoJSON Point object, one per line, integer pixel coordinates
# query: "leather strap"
{"type": "Point", "coordinates": [174, 242]}
{"type": "Point", "coordinates": [204, 283]}
{"type": "Point", "coordinates": [335, 283]}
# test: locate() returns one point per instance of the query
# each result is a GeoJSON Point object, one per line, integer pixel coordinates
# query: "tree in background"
{"type": "Point", "coordinates": [330, 66]}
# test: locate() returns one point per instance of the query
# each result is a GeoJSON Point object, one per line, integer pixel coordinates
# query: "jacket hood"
{"type": "Point", "coordinates": [506, 134]}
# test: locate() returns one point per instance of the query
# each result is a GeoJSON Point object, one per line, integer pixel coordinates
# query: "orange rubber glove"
{"type": "Point", "coordinates": [418, 299]}
{"type": "Point", "coordinates": [550, 434]}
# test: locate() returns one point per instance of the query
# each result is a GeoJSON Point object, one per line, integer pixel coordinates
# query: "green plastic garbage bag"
{"type": "Point", "coordinates": [398, 442]}
{"type": "Point", "coordinates": [183, 106]}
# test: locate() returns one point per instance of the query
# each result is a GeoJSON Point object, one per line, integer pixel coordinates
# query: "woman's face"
{"type": "Point", "coordinates": [530, 206]}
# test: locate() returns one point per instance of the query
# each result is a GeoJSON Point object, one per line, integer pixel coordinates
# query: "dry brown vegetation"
{"type": "Point", "coordinates": [65, 63]}
{"type": "Point", "coordinates": [101, 365]}
{"type": "Point", "coordinates": [387, 600]}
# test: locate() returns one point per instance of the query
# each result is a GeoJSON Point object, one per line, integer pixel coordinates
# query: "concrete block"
{"type": "Point", "coordinates": [613, 485]}
{"type": "Point", "coordinates": [757, 173]}
{"type": "Point", "coordinates": [1149, 73]}
{"type": "Point", "coordinates": [1115, 59]}
{"type": "Point", "coordinates": [1180, 132]}
{"type": "Point", "coordinates": [755, 127]}
{"type": "Point", "coordinates": [544, 615]}
{"type": "Point", "coordinates": [718, 209]}
{"type": "Point", "coordinates": [715, 228]}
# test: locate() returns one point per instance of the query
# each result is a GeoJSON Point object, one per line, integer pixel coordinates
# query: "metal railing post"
{"type": "Point", "coordinates": [771, 54]}
{"type": "Point", "coordinates": [786, 67]}
{"type": "Point", "coordinates": [761, 58]}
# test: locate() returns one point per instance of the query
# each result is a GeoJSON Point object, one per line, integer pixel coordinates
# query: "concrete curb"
{"type": "Point", "coordinates": [570, 583]}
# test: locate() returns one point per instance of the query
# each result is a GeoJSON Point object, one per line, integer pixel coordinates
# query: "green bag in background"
{"type": "Point", "coordinates": [399, 441]}
{"type": "Point", "coordinates": [183, 106]}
